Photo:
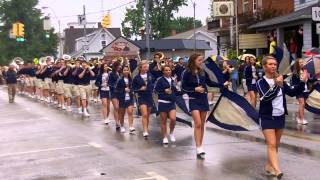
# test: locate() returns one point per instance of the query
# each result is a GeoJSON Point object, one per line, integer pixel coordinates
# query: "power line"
{"type": "Point", "coordinates": [97, 12]}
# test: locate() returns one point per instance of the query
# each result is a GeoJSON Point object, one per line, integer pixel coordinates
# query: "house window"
{"type": "Point", "coordinates": [103, 44]}
{"type": "Point", "coordinates": [103, 36]}
{"type": "Point", "coordinates": [254, 6]}
{"type": "Point", "coordinates": [245, 6]}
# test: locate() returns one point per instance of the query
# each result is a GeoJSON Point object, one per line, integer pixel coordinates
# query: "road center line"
{"type": "Point", "coordinates": [44, 150]}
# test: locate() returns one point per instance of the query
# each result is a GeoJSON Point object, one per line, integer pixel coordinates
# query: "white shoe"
{"type": "Point", "coordinates": [172, 138]}
{"type": "Point", "coordinates": [122, 130]}
{"type": "Point", "coordinates": [96, 101]}
{"type": "Point", "coordinates": [79, 110]}
{"type": "Point", "coordinates": [165, 141]}
{"type": "Point", "coordinates": [145, 134]}
{"type": "Point", "coordinates": [200, 150]}
{"type": "Point", "coordinates": [63, 107]}
{"type": "Point", "coordinates": [56, 102]}
{"type": "Point", "coordinates": [69, 108]}
{"type": "Point", "coordinates": [132, 130]}
{"type": "Point", "coordinates": [304, 122]}
{"type": "Point", "coordinates": [298, 120]}
{"type": "Point", "coordinates": [59, 105]}
{"type": "Point", "coordinates": [107, 121]}
{"type": "Point", "coordinates": [85, 113]}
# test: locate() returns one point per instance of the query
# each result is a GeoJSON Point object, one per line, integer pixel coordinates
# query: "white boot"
{"type": "Point", "coordinates": [85, 113]}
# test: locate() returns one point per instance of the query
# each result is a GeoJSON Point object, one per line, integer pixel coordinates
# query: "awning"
{"type": "Point", "coordinates": [301, 14]}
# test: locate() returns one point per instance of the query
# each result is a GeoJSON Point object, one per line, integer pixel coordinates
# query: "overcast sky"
{"type": "Point", "coordinates": [67, 10]}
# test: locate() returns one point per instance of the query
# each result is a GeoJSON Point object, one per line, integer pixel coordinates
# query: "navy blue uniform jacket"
{"type": "Point", "coordinates": [162, 84]}
{"type": "Point", "coordinates": [121, 85]}
{"type": "Point", "coordinates": [138, 82]}
{"type": "Point", "coordinates": [269, 94]}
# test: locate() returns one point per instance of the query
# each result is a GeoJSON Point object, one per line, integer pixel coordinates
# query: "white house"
{"type": "Point", "coordinates": [201, 34]}
{"type": "Point", "coordinates": [96, 41]}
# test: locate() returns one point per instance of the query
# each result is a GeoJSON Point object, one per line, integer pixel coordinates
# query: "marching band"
{"type": "Point", "coordinates": [128, 84]}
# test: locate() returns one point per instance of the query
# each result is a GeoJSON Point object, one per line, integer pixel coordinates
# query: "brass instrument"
{"type": "Point", "coordinates": [66, 57]}
{"type": "Point", "coordinates": [91, 65]}
{"type": "Point", "coordinates": [17, 61]}
{"type": "Point", "coordinates": [162, 60]}
{"type": "Point", "coordinates": [42, 61]}
{"type": "Point", "coordinates": [120, 60]}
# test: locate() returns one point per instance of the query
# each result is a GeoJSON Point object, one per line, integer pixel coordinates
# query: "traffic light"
{"type": "Point", "coordinates": [106, 21]}
{"type": "Point", "coordinates": [20, 30]}
{"type": "Point", "coordinates": [20, 39]}
{"type": "Point", "coordinates": [15, 29]}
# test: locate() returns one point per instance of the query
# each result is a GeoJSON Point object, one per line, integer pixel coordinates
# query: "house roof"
{"type": "Point", "coordinates": [166, 44]}
{"type": "Point", "coordinates": [301, 14]}
{"type": "Point", "coordinates": [186, 34]}
{"type": "Point", "coordinates": [71, 34]}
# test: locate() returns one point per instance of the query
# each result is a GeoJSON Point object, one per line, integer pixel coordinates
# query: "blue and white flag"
{"type": "Point", "coordinates": [312, 65]}
{"type": "Point", "coordinates": [233, 112]}
{"type": "Point", "coordinates": [313, 100]}
{"type": "Point", "coordinates": [183, 114]}
{"type": "Point", "coordinates": [213, 71]}
{"type": "Point", "coordinates": [285, 60]}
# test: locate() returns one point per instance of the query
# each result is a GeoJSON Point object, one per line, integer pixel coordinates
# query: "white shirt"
{"type": "Point", "coordinates": [144, 77]}
{"type": "Point", "coordinates": [169, 80]}
{"type": "Point", "coordinates": [277, 103]}
{"type": "Point", "coordinates": [254, 75]}
{"type": "Point", "coordinates": [104, 84]}
{"type": "Point", "coordinates": [126, 80]}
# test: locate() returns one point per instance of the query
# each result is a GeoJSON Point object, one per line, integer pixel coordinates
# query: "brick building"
{"type": "Point", "coordinates": [249, 12]}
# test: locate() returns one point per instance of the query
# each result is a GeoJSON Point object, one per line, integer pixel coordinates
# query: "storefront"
{"type": "Point", "coordinates": [297, 27]}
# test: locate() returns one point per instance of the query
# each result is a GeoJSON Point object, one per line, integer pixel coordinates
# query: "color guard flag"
{"type": "Point", "coordinates": [213, 71]}
{"type": "Point", "coordinates": [285, 61]}
{"type": "Point", "coordinates": [313, 66]}
{"type": "Point", "coordinates": [183, 114]}
{"type": "Point", "coordinates": [233, 112]}
{"type": "Point", "coordinates": [313, 101]}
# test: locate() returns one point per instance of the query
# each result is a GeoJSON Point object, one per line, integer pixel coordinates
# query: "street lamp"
{"type": "Point", "coordinates": [59, 24]}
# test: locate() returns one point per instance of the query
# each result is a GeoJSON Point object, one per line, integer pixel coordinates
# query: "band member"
{"type": "Point", "coordinates": [68, 84]}
{"type": "Point", "coordinates": [47, 84]}
{"type": "Point", "coordinates": [251, 79]}
{"type": "Point", "coordinates": [272, 91]}
{"type": "Point", "coordinates": [114, 94]}
{"type": "Point", "coordinates": [166, 89]}
{"type": "Point", "coordinates": [76, 90]}
{"type": "Point", "coordinates": [102, 83]}
{"type": "Point", "coordinates": [155, 67]}
{"type": "Point", "coordinates": [60, 85]}
{"type": "Point", "coordinates": [84, 76]}
{"type": "Point", "coordinates": [124, 87]}
{"type": "Point", "coordinates": [38, 83]}
{"type": "Point", "coordinates": [143, 85]}
{"type": "Point", "coordinates": [194, 83]}
{"type": "Point", "coordinates": [297, 77]}
{"type": "Point", "coordinates": [11, 79]}
{"type": "Point", "coordinates": [55, 79]}
{"type": "Point", "coordinates": [93, 80]}
{"type": "Point", "coordinates": [30, 80]}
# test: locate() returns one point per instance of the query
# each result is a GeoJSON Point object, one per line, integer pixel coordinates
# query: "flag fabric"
{"type": "Point", "coordinates": [183, 114]}
{"type": "Point", "coordinates": [285, 61]}
{"type": "Point", "coordinates": [213, 71]}
{"type": "Point", "coordinates": [233, 112]}
{"type": "Point", "coordinates": [313, 100]}
{"type": "Point", "coordinates": [312, 65]}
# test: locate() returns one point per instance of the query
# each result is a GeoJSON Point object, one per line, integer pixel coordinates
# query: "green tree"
{"type": "Point", "coordinates": [161, 15]}
{"type": "Point", "coordinates": [36, 44]}
{"type": "Point", "coordinates": [182, 24]}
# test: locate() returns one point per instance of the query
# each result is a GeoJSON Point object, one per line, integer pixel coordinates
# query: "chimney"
{"type": "Point", "coordinates": [173, 32]}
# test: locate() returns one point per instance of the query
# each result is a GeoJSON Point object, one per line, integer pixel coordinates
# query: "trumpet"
{"type": "Point", "coordinates": [91, 65]}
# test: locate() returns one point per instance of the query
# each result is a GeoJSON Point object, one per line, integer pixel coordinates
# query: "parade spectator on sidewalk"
{"type": "Point", "coordinates": [11, 79]}
{"type": "Point", "coordinates": [293, 48]}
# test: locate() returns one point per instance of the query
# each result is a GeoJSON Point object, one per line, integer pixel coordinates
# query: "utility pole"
{"type": "Point", "coordinates": [237, 28]}
{"type": "Point", "coordinates": [194, 27]}
{"type": "Point", "coordinates": [85, 32]}
{"type": "Point", "coordinates": [147, 25]}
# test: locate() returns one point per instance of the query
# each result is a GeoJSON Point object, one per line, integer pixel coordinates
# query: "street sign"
{"type": "Point", "coordinates": [46, 24]}
{"type": "Point", "coordinates": [318, 28]}
{"type": "Point", "coordinates": [316, 13]}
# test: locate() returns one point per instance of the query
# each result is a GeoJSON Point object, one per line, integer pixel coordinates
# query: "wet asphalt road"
{"type": "Point", "coordinates": [39, 142]}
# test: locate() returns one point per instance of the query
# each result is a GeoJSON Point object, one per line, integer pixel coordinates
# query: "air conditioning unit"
{"type": "Point", "coordinates": [223, 9]}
